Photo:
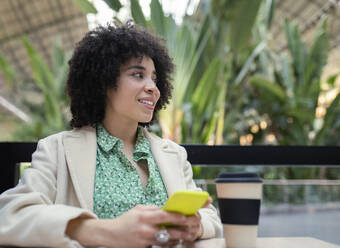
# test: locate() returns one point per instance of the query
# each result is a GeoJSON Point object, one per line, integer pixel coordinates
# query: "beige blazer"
{"type": "Point", "coordinates": [59, 187]}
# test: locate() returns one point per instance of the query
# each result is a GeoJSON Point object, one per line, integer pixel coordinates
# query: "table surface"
{"type": "Point", "coordinates": [281, 242]}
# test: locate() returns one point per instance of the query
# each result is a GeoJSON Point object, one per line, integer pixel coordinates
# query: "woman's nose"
{"type": "Point", "coordinates": [151, 88]}
{"type": "Point", "coordinates": [151, 85]}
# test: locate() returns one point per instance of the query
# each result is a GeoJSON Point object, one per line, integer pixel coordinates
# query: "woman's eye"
{"type": "Point", "coordinates": [138, 74]}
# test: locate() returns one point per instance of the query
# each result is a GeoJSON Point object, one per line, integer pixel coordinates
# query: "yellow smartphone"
{"type": "Point", "coordinates": [186, 202]}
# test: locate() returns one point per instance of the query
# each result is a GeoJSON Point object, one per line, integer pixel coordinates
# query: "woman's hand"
{"type": "Point", "coordinates": [139, 226]}
{"type": "Point", "coordinates": [135, 228]}
{"type": "Point", "coordinates": [193, 227]}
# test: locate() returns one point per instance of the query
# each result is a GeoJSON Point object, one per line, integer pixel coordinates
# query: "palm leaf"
{"type": "Point", "coordinates": [328, 119]}
{"type": "Point", "coordinates": [297, 51]}
{"type": "Point", "coordinates": [301, 115]}
{"type": "Point", "coordinates": [58, 58]}
{"type": "Point", "coordinates": [52, 111]}
{"type": "Point", "coordinates": [41, 72]}
{"type": "Point", "coordinates": [208, 129]}
{"type": "Point", "coordinates": [242, 24]}
{"type": "Point", "coordinates": [7, 72]}
{"type": "Point", "coordinates": [158, 18]}
{"type": "Point", "coordinates": [85, 6]}
{"type": "Point", "coordinates": [220, 108]}
{"type": "Point", "coordinates": [186, 59]}
{"type": "Point", "coordinates": [137, 13]}
{"type": "Point", "coordinates": [269, 88]}
{"type": "Point", "coordinates": [206, 87]}
{"type": "Point", "coordinates": [287, 76]}
{"type": "Point", "coordinates": [60, 69]}
{"type": "Point", "coordinates": [171, 33]}
{"type": "Point", "coordinates": [114, 4]}
{"type": "Point", "coordinates": [245, 68]}
{"type": "Point", "coordinates": [206, 102]}
{"type": "Point", "coordinates": [317, 57]}
{"type": "Point", "coordinates": [270, 7]}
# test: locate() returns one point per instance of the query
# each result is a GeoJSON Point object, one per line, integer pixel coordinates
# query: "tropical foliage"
{"type": "Point", "coordinates": [291, 97]}
{"type": "Point", "coordinates": [289, 100]}
{"type": "Point", "coordinates": [206, 60]}
{"type": "Point", "coordinates": [43, 97]}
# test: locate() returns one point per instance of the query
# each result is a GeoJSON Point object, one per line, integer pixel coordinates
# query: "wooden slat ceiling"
{"type": "Point", "coordinates": [307, 14]}
{"type": "Point", "coordinates": [42, 21]}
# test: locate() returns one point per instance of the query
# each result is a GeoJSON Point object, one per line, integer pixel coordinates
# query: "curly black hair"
{"type": "Point", "coordinates": [95, 67]}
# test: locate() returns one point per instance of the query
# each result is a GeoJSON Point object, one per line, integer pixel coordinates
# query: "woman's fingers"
{"type": "Point", "coordinates": [179, 233]}
{"type": "Point", "coordinates": [139, 226]}
{"type": "Point", "coordinates": [193, 221]}
{"type": "Point", "coordinates": [158, 216]}
{"type": "Point", "coordinates": [208, 202]}
{"type": "Point", "coordinates": [193, 227]}
{"type": "Point", "coordinates": [187, 228]}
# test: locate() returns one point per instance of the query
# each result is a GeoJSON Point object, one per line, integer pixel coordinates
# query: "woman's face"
{"type": "Point", "coordinates": [136, 95]}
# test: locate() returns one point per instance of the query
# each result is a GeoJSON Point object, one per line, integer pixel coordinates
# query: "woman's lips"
{"type": "Point", "coordinates": [148, 104]}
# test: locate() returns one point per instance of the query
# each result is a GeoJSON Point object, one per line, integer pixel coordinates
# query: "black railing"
{"type": "Point", "coordinates": [12, 153]}
{"type": "Point", "coordinates": [264, 155]}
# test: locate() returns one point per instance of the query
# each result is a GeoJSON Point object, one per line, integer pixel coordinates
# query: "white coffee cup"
{"type": "Point", "coordinates": [239, 198]}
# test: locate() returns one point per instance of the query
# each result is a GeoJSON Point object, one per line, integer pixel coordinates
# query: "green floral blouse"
{"type": "Point", "coordinates": [118, 186]}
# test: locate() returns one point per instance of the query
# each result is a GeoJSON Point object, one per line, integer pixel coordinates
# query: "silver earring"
{"type": "Point", "coordinates": [130, 23]}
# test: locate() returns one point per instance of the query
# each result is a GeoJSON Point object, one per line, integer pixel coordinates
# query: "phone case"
{"type": "Point", "coordinates": [186, 202]}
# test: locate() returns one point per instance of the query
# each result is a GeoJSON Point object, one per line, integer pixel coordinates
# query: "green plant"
{"type": "Point", "coordinates": [43, 96]}
{"type": "Point", "coordinates": [291, 99]}
{"type": "Point", "coordinates": [208, 65]}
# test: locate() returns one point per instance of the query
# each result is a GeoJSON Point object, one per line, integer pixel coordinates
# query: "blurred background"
{"type": "Point", "coordinates": [247, 73]}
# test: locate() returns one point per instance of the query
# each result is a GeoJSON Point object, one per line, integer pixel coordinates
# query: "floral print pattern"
{"type": "Point", "coordinates": [118, 186]}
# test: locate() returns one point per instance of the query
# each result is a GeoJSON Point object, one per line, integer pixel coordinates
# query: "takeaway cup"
{"type": "Point", "coordinates": [239, 199]}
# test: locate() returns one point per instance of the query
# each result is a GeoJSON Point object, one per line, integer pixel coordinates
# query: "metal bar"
{"type": "Point", "coordinates": [12, 153]}
{"type": "Point", "coordinates": [225, 155]}
{"type": "Point", "coordinates": [302, 182]}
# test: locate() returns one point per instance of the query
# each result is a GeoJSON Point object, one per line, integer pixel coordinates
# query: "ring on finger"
{"type": "Point", "coordinates": [162, 236]}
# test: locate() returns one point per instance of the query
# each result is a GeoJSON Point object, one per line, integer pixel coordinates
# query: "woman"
{"type": "Point", "coordinates": [103, 183]}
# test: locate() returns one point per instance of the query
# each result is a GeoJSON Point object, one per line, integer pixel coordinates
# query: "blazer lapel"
{"type": "Point", "coordinates": [167, 159]}
{"type": "Point", "coordinates": [80, 149]}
